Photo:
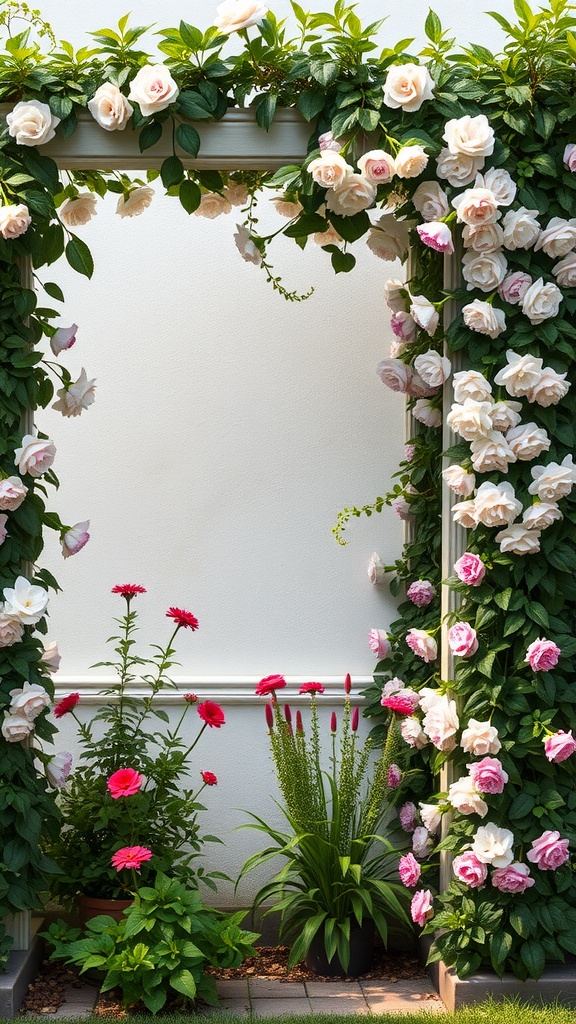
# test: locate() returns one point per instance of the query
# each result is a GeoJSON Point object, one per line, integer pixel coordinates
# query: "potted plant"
{"type": "Point", "coordinates": [338, 883]}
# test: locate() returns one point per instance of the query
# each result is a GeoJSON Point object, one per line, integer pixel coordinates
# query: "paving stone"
{"type": "Point", "coordinates": [414, 985]}
{"type": "Point", "coordinates": [275, 1007]}
{"type": "Point", "coordinates": [232, 988]}
{"type": "Point", "coordinates": [394, 1002]}
{"type": "Point", "coordinates": [333, 988]}
{"type": "Point", "coordinates": [263, 988]}
{"type": "Point", "coordinates": [237, 1006]}
{"type": "Point", "coordinates": [355, 1004]}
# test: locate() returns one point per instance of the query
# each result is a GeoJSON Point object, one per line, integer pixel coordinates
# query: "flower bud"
{"type": "Point", "coordinates": [299, 724]}
{"type": "Point", "coordinates": [269, 717]}
{"type": "Point", "coordinates": [355, 717]}
{"type": "Point", "coordinates": [333, 722]}
{"type": "Point", "coordinates": [288, 714]}
{"type": "Point", "coordinates": [347, 683]}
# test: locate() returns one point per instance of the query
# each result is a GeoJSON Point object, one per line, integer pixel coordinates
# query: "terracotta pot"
{"type": "Point", "coordinates": [91, 906]}
{"type": "Point", "coordinates": [361, 954]}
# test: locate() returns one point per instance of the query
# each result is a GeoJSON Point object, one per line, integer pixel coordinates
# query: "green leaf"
{"type": "Point", "coordinates": [172, 171]}
{"type": "Point", "coordinates": [194, 105]}
{"type": "Point", "coordinates": [310, 103]}
{"type": "Point", "coordinates": [183, 981]}
{"type": "Point", "coordinates": [54, 291]}
{"type": "Point", "coordinates": [60, 106]}
{"type": "Point", "coordinates": [188, 139]}
{"type": "Point", "coordinates": [368, 118]}
{"type": "Point", "coordinates": [190, 195]}
{"type": "Point", "coordinates": [532, 955]}
{"type": "Point", "coordinates": [500, 946]}
{"type": "Point", "coordinates": [324, 71]}
{"type": "Point", "coordinates": [265, 110]}
{"type": "Point", "coordinates": [521, 805]}
{"type": "Point", "coordinates": [150, 135]}
{"type": "Point", "coordinates": [351, 228]}
{"type": "Point", "coordinates": [79, 257]}
{"type": "Point", "coordinates": [342, 262]}
{"type": "Point", "coordinates": [191, 36]}
{"type": "Point", "coordinates": [307, 224]}
{"type": "Point", "coordinates": [433, 27]}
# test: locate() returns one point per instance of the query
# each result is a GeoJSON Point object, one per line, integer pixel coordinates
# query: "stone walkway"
{"type": "Point", "coordinates": [259, 997]}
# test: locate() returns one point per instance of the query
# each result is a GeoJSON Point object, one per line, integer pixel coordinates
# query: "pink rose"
{"type": "Point", "coordinates": [569, 157]}
{"type": "Point", "coordinates": [409, 452]}
{"type": "Point", "coordinates": [470, 870]}
{"type": "Point", "coordinates": [75, 538]}
{"type": "Point", "coordinates": [399, 698]}
{"type": "Point", "coordinates": [35, 456]}
{"type": "Point", "coordinates": [559, 746]}
{"type": "Point", "coordinates": [421, 907]}
{"type": "Point", "coordinates": [394, 777]}
{"type": "Point", "coordinates": [12, 493]}
{"type": "Point", "coordinates": [488, 775]}
{"type": "Point", "coordinates": [542, 655]}
{"type": "Point", "coordinates": [437, 236]}
{"type": "Point", "coordinates": [515, 878]}
{"type": "Point", "coordinates": [327, 141]}
{"type": "Point", "coordinates": [409, 870]}
{"type": "Point", "coordinates": [63, 339]}
{"type": "Point", "coordinates": [124, 782]}
{"type": "Point", "coordinates": [402, 508]}
{"type": "Point", "coordinates": [549, 851]}
{"type": "Point", "coordinates": [470, 569]}
{"type": "Point", "coordinates": [462, 639]}
{"type": "Point", "coordinates": [514, 287]}
{"type": "Point", "coordinates": [407, 815]}
{"type": "Point", "coordinates": [403, 325]}
{"type": "Point", "coordinates": [377, 166]}
{"type": "Point", "coordinates": [379, 643]}
{"type": "Point", "coordinates": [421, 593]}
{"type": "Point", "coordinates": [422, 644]}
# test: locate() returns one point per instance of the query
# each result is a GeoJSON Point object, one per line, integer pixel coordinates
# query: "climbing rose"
{"type": "Point", "coordinates": [422, 644]}
{"type": "Point", "coordinates": [542, 655]}
{"type": "Point", "coordinates": [209, 778]}
{"type": "Point", "coordinates": [407, 815]}
{"type": "Point", "coordinates": [75, 538]}
{"type": "Point", "coordinates": [58, 769]}
{"type": "Point", "coordinates": [409, 870]}
{"type": "Point", "coordinates": [211, 713]}
{"type": "Point", "coordinates": [269, 685]}
{"type": "Point", "coordinates": [182, 618]}
{"type": "Point", "coordinates": [462, 639]}
{"type": "Point", "coordinates": [549, 851]}
{"type": "Point", "coordinates": [421, 907]}
{"type": "Point", "coordinates": [399, 698]}
{"type": "Point", "coordinates": [470, 870]}
{"type": "Point", "coordinates": [470, 569]}
{"type": "Point", "coordinates": [124, 782]}
{"type": "Point", "coordinates": [131, 857]}
{"type": "Point", "coordinates": [515, 878]}
{"type": "Point", "coordinates": [379, 643]}
{"type": "Point", "coordinates": [394, 777]}
{"type": "Point", "coordinates": [421, 593]}
{"type": "Point", "coordinates": [66, 704]}
{"type": "Point", "coordinates": [559, 746]}
{"type": "Point", "coordinates": [488, 775]}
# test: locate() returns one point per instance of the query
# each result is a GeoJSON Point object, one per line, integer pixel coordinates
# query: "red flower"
{"type": "Point", "coordinates": [311, 688]}
{"type": "Point", "coordinates": [124, 782]}
{"type": "Point", "coordinates": [209, 778]}
{"type": "Point", "coordinates": [66, 705]}
{"type": "Point", "coordinates": [191, 698]}
{"type": "Point", "coordinates": [269, 684]}
{"type": "Point", "coordinates": [131, 857]}
{"type": "Point", "coordinates": [401, 705]}
{"type": "Point", "coordinates": [211, 713]}
{"type": "Point", "coordinates": [128, 590]}
{"type": "Point", "coordinates": [183, 618]}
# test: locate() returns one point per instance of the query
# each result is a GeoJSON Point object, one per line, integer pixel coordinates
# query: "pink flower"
{"type": "Point", "coordinates": [421, 842]}
{"type": "Point", "coordinates": [542, 655]}
{"type": "Point", "coordinates": [559, 746]}
{"type": "Point", "coordinates": [402, 508]}
{"type": "Point", "coordinates": [269, 685]}
{"type": "Point", "coordinates": [394, 777]}
{"type": "Point", "coordinates": [514, 287]}
{"type": "Point", "coordinates": [269, 716]}
{"type": "Point", "coordinates": [403, 326]}
{"type": "Point", "coordinates": [58, 769]}
{"type": "Point", "coordinates": [409, 870]}
{"type": "Point", "coordinates": [549, 851]}
{"type": "Point", "coordinates": [183, 619]}
{"type": "Point", "coordinates": [311, 688]}
{"type": "Point", "coordinates": [422, 644]}
{"type": "Point", "coordinates": [569, 157]}
{"type": "Point", "coordinates": [421, 907]}
{"type": "Point", "coordinates": [407, 815]}
{"type": "Point", "coordinates": [66, 705]}
{"type": "Point", "coordinates": [355, 719]}
{"type": "Point", "coordinates": [421, 593]}
{"type": "Point", "coordinates": [3, 530]}
{"type": "Point", "coordinates": [470, 870]}
{"type": "Point", "coordinates": [12, 493]}
{"type": "Point", "coordinates": [399, 698]}
{"type": "Point", "coordinates": [128, 590]}
{"type": "Point", "coordinates": [211, 714]}
{"type": "Point", "coordinates": [333, 722]}
{"type": "Point", "coordinates": [131, 857]}
{"type": "Point", "coordinates": [462, 639]}
{"type": "Point", "coordinates": [436, 235]}
{"type": "Point", "coordinates": [379, 643]}
{"type": "Point", "coordinates": [124, 782]}
{"type": "Point", "coordinates": [488, 775]}
{"type": "Point", "coordinates": [348, 683]}
{"type": "Point", "coordinates": [327, 141]}
{"type": "Point", "coordinates": [63, 339]}
{"type": "Point", "coordinates": [409, 452]}
{"type": "Point", "coordinates": [75, 538]}
{"type": "Point", "coordinates": [209, 779]}
{"type": "Point", "coordinates": [470, 569]}
{"type": "Point", "coordinates": [515, 878]}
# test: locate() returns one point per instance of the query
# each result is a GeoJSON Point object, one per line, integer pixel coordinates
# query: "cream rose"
{"type": "Point", "coordinates": [376, 569]}
{"type": "Point", "coordinates": [465, 798]}
{"type": "Point", "coordinates": [51, 657]}
{"type": "Point", "coordinates": [433, 368]}
{"type": "Point", "coordinates": [482, 317]}
{"type": "Point", "coordinates": [78, 211]}
{"type": "Point", "coordinates": [329, 170]}
{"type": "Point", "coordinates": [431, 816]}
{"type": "Point", "coordinates": [471, 384]}
{"type": "Point", "coordinates": [431, 201]}
{"type": "Point", "coordinates": [29, 701]}
{"type": "Point", "coordinates": [476, 206]}
{"type": "Point", "coordinates": [353, 195]}
{"type": "Point", "coordinates": [11, 630]}
{"type": "Point", "coordinates": [408, 86]}
{"type": "Point", "coordinates": [32, 123]}
{"type": "Point", "coordinates": [153, 89]}
{"type": "Point", "coordinates": [564, 271]}
{"type": "Point", "coordinates": [458, 169]}
{"type": "Point", "coordinates": [15, 728]}
{"type": "Point", "coordinates": [412, 734]}
{"type": "Point", "coordinates": [424, 313]}
{"type": "Point", "coordinates": [14, 220]}
{"type": "Point", "coordinates": [558, 238]}
{"type": "Point", "coordinates": [25, 602]}
{"type": "Point", "coordinates": [518, 540]}
{"type": "Point", "coordinates": [471, 419]}
{"type": "Point", "coordinates": [212, 205]}
{"type": "Point", "coordinates": [493, 845]}
{"type": "Point", "coordinates": [328, 237]}
{"type": "Point", "coordinates": [237, 195]}
{"type": "Point", "coordinates": [377, 166]}
{"type": "Point", "coordinates": [12, 493]}
{"type": "Point", "coordinates": [520, 374]}
{"type": "Point", "coordinates": [419, 388]}
{"type": "Point", "coordinates": [541, 301]}
{"type": "Point", "coordinates": [234, 15]}
{"type": "Point", "coordinates": [521, 229]}
{"type": "Point", "coordinates": [78, 397]}
{"type": "Point", "coordinates": [483, 238]}
{"type": "Point", "coordinates": [441, 723]}
{"type": "Point", "coordinates": [286, 207]}
{"type": "Point", "coordinates": [246, 246]}
{"type": "Point", "coordinates": [553, 481]}
{"type": "Point", "coordinates": [528, 441]}
{"type": "Point", "coordinates": [541, 515]}
{"type": "Point", "coordinates": [396, 296]}
{"type": "Point", "coordinates": [426, 413]}
{"type": "Point", "coordinates": [135, 202]}
{"type": "Point", "coordinates": [110, 108]}
{"type": "Point", "coordinates": [389, 239]}
{"type": "Point", "coordinates": [496, 504]}
{"type": "Point", "coordinates": [471, 136]}
{"type": "Point", "coordinates": [395, 374]}
{"type": "Point", "coordinates": [411, 161]}
{"type": "Point", "coordinates": [514, 287]}
{"type": "Point", "coordinates": [464, 513]}
{"type": "Point", "coordinates": [501, 184]}
{"type": "Point", "coordinates": [492, 453]}
{"type": "Point", "coordinates": [480, 738]}
{"type": "Point", "coordinates": [550, 388]}
{"type": "Point", "coordinates": [459, 480]}
{"type": "Point", "coordinates": [505, 415]}
{"type": "Point", "coordinates": [484, 270]}
{"type": "Point", "coordinates": [35, 456]}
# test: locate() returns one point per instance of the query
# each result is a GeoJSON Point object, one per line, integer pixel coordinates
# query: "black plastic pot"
{"type": "Point", "coordinates": [361, 954]}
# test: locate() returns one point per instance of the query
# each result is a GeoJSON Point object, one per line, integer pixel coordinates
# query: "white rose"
{"type": "Point", "coordinates": [564, 271]}
{"type": "Point", "coordinates": [505, 415]}
{"type": "Point", "coordinates": [433, 368]}
{"type": "Point", "coordinates": [153, 89]}
{"type": "Point", "coordinates": [492, 453]}
{"type": "Point", "coordinates": [389, 239]}
{"type": "Point", "coordinates": [78, 397]}
{"type": "Point", "coordinates": [412, 733]}
{"type": "Point", "coordinates": [471, 384]}
{"type": "Point", "coordinates": [441, 723]}
{"type": "Point", "coordinates": [528, 441]}
{"type": "Point", "coordinates": [459, 480]}
{"type": "Point", "coordinates": [458, 169]}
{"type": "Point", "coordinates": [75, 538]}
{"type": "Point", "coordinates": [558, 238]}
{"type": "Point", "coordinates": [514, 287]}
{"type": "Point", "coordinates": [12, 493]}
{"type": "Point", "coordinates": [396, 296]}
{"type": "Point", "coordinates": [421, 842]}
{"type": "Point", "coordinates": [135, 202]}
{"type": "Point", "coordinates": [395, 374]}
{"type": "Point", "coordinates": [471, 419]}
{"type": "Point", "coordinates": [520, 374]}
{"type": "Point", "coordinates": [51, 657]}
{"type": "Point", "coordinates": [493, 845]}
{"type": "Point", "coordinates": [550, 388]}
{"type": "Point", "coordinates": [11, 630]}
{"type": "Point", "coordinates": [329, 170]}
{"type": "Point", "coordinates": [541, 515]}
{"type": "Point", "coordinates": [431, 201]}
{"type": "Point", "coordinates": [471, 136]}
{"type": "Point", "coordinates": [25, 602]}
{"type": "Point", "coordinates": [234, 15]}
{"type": "Point", "coordinates": [353, 195]}
{"type": "Point", "coordinates": [14, 220]}
{"type": "Point", "coordinates": [411, 161]}
{"type": "Point", "coordinates": [377, 166]}
{"type": "Point", "coordinates": [376, 570]}
{"type": "Point", "coordinates": [518, 540]}
{"type": "Point", "coordinates": [553, 481]}
{"type": "Point", "coordinates": [110, 108]}
{"type": "Point", "coordinates": [501, 184]}
{"type": "Point", "coordinates": [424, 313]}
{"type": "Point", "coordinates": [496, 504]}
{"type": "Point", "coordinates": [541, 301]}
{"type": "Point", "coordinates": [464, 513]}
{"type": "Point", "coordinates": [285, 207]}
{"type": "Point", "coordinates": [76, 212]}
{"type": "Point", "coordinates": [465, 798]}
{"type": "Point", "coordinates": [476, 206]}
{"type": "Point", "coordinates": [247, 248]}
{"type": "Point", "coordinates": [212, 205]}
{"type": "Point", "coordinates": [35, 456]}
{"type": "Point", "coordinates": [483, 237]}
{"type": "Point", "coordinates": [484, 270]}
{"type": "Point", "coordinates": [408, 86]}
{"type": "Point", "coordinates": [521, 229]}
{"type": "Point", "coordinates": [431, 816]}
{"type": "Point", "coordinates": [418, 388]}
{"type": "Point", "coordinates": [480, 738]}
{"type": "Point", "coordinates": [426, 413]}
{"type": "Point", "coordinates": [15, 728]}
{"type": "Point", "coordinates": [482, 317]}
{"type": "Point", "coordinates": [428, 698]}
{"type": "Point", "coordinates": [32, 123]}
{"type": "Point", "coordinates": [58, 769]}
{"type": "Point", "coordinates": [29, 701]}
